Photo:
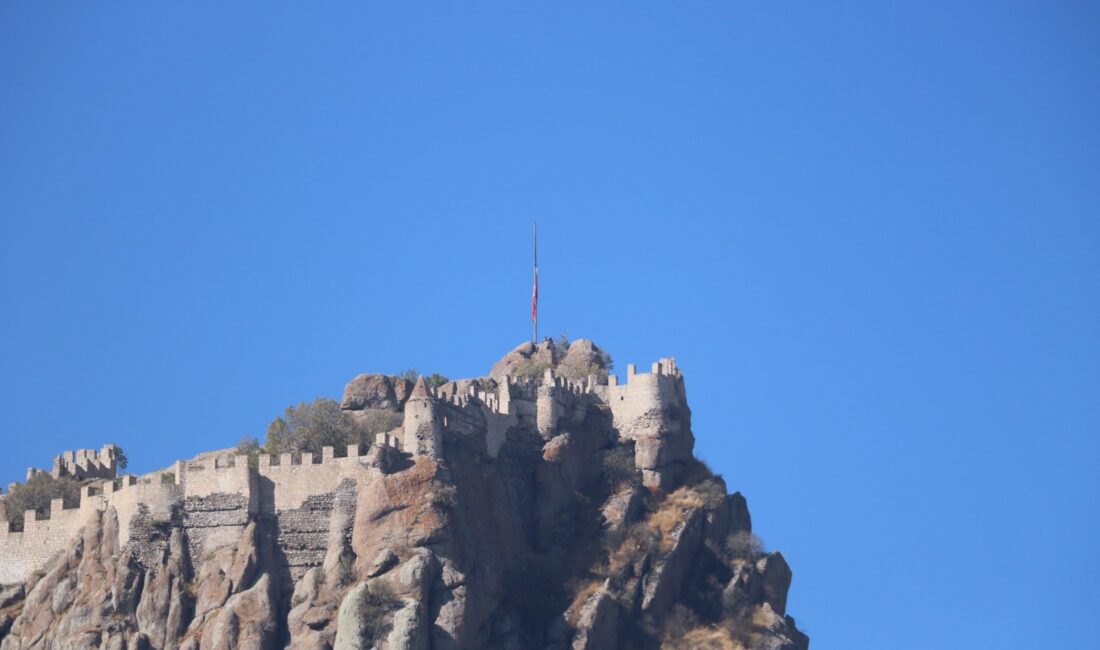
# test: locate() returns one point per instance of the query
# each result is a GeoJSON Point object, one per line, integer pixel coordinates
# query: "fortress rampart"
{"type": "Point", "coordinates": [217, 497]}
{"type": "Point", "coordinates": [83, 464]}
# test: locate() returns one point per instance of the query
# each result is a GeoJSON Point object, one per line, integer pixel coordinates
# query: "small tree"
{"type": "Point", "coordinates": [606, 360]}
{"type": "Point", "coordinates": [311, 426]}
{"type": "Point", "coordinates": [410, 374]}
{"type": "Point", "coordinates": [380, 421]}
{"type": "Point", "coordinates": [121, 461]}
{"type": "Point", "coordinates": [36, 494]}
{"type": "Point", "coordinates": [249, 446]}
{"type": "Point", "coordinates": [436, 380]}
{"type": "Point", "coordinates": [744, 545]}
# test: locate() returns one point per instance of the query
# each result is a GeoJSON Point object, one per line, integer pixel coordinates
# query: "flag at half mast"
{"type": "Point", "coordinates": [535, 291]}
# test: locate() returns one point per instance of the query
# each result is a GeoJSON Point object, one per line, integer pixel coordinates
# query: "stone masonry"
{"type": "Point", "coordinates": [217, 498]}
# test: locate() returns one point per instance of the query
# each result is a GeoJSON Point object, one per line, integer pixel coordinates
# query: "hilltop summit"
{"type": "Point", "coordinates": [546, 505]}
{"type": "Point", "coordinates": [572, 359]}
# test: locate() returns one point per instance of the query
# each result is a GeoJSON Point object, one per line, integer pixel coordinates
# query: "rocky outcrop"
{"type": "Point", "coordinates": [374, 391]}
{"type": "Point", "coordinates": [596, 529]}
{"type": "Point", "coordinates": [575, 360]}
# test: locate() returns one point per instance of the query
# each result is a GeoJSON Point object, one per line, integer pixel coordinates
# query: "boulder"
{"type": "Point", "coordinates": [576, 360]}
{"type": "Point", "coordinates": [362, 616]}
{"type": "Point", "coordinates": [663, 583]}
{"type": "Point", "coordinates": [528, 360]}
{"type": "Point", "coordinates": [375, 391]}
{"type": "Point", "coordinates": [383, 562]}
{"type": "Point", "coordinates": [247, 621]}
{"type": "Point", "coordinates": [410, 627]}
{"type": "Point", "coordinates": [740, 520]}
{"type": "Point", "coordinates": [598, 622]}
{"type": "Point", "coordinates": [776, 575]}
{"type": "Point", "coordinates": [583, 358]}
{"type": "Point", "coordinates": [621, 510]}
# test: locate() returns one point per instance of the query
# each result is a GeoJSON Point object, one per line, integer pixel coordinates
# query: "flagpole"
{"type": "Point", "coordinates": [535, 298]}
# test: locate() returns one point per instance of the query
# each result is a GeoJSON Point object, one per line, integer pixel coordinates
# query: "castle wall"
{"type": "Point", "coordinates": [295, 479]}
{"type": "Point", "coordinates": [25, 551]}
{"type": "Point", "coordinates": [127, 500]}
{"type": "Point", "coordinates": [218, 497]}
{"type": "Point", "coordinates": [481, 417]}
{"type": "Point", "coordinates": [303, 497]}
{"type": "Point", "coordinates": [85, 463]}
{"type": "Point", "coordinates": [651, 409]}
{"type": "Point", "coordinates": [639, 405]}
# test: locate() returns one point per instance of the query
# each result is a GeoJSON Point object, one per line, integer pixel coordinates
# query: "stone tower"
{"type": "Point", "coordinates": [423, 429]}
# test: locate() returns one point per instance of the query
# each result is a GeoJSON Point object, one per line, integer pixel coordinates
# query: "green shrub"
{"type": "Point", "coordinates": [310, 426]}
{"type": "Point", "coordinates": [168, 478]}
{"type": "Point", "coordinates": [121, 460]}
{"type": "Point", "coordinates": [249, 446]}
{"type": "Point", "coordinates": [443, 495]}
{"type": "Point", "coordinates": [344, 570]}
{"type": "Point", "coordinates": [744, 545]}
{"type": "Point", "coordinates": [380, 421]}
{"type": "Point", "coordinates": [36, 495]}
{"type": "Point", "coordinates": [376, 603]}
{"type": "Point", "coordinates": [530, 369]}
{"type": "Point", "coordinates": [618, 466]}
{"type": "Point", "coordinates": [435, 380]}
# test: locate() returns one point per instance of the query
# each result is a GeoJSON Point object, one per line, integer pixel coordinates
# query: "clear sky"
{"type": "Point", "coordinates": [869, 233]}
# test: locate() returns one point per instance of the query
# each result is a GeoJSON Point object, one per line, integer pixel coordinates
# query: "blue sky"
{"type": "Point", "coordinates": [870, 233]}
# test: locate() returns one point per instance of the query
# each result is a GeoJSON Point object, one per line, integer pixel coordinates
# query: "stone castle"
{"type": "Point", "coordinates": [307, 496]}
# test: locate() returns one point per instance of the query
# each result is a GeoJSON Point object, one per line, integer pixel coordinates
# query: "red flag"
{"type": "Point", "coordinates": [535, 292]}
{"type": "Point", "coordinates": [535, 297]}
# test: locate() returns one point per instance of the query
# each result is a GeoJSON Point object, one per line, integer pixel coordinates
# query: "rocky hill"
{"type": "Point", "coordinates": [546, 505]}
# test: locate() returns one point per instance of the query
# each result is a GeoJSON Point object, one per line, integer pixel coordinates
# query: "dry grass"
{"type": "Point", "coordinates": [705, 638]}
{"type": "Point", "coordinates": [13, 610]}
{"type": "Point", "coordinates": [671, 512]}
{"type": "Point", "coordinates": [639, 540]}
{"type": "Point", "coordinates": [573, 614]}
{"type": "Point", "coordinates": [683, 629]}
{"type": "Point", "coordinates": [657, 530]}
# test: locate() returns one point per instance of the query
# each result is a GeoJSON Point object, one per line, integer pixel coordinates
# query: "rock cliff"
{"type": "Point", "coordinates": [542, 506]}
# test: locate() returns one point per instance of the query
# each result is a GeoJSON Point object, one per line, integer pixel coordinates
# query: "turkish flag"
{"type": "Point", "coordinates": [535, 297]}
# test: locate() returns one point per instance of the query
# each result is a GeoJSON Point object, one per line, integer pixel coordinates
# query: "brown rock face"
{"type": "Point", "coordinates": [575, 360]}
{"type": "Point", "coordinates": [558, 540]}
{"type": "Point", "coordinates": [372, 391]}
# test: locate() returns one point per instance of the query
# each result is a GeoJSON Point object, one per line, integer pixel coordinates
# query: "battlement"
{"type": "Point", "coordinates": [84, 463]}
{"type": "Point", "coordinates": [221, 492]}
{"type": "Point", "coordinates": [663, 367]}
{"type": "Point", "coordinates": [389, 439]}
{"type": "Point", "coordinates": [293, 478]}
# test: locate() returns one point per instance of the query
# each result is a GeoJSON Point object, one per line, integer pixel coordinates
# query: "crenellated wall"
{"type": "Point", "coordinates": [636, 405]}
{"type": "Point", "coordinates": [296, 477]}
{"type": "Point", "coordinates": [23, 552]}
{"type": "Point", "coordinates": [217, 497]}
{"type": "Point", "coordinates": [86, 463]}
{"type": "Point", "coordinates": [652, 410]}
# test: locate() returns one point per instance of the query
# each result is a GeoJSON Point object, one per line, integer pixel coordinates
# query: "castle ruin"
{"type": "Point", "coordinates": [308, 497]}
